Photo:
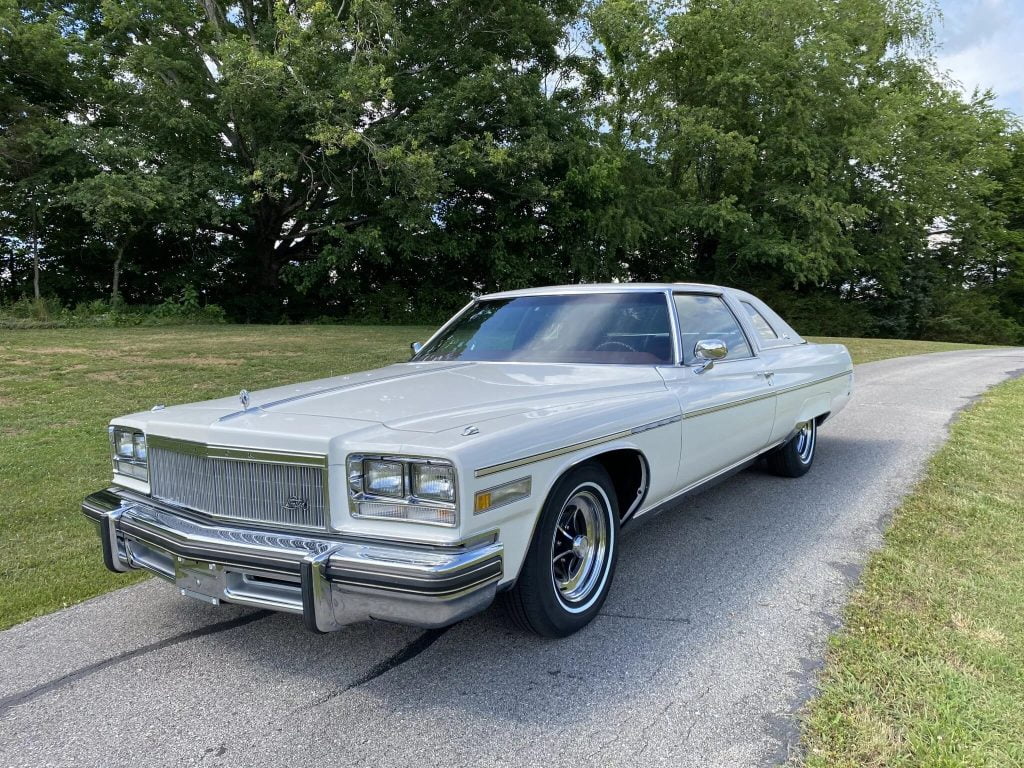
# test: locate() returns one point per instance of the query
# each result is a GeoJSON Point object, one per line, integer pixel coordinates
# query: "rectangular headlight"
{"type": "Point", "coordinates": [129, 452]}
{"type": "Point", "coordinates": [139, 449]}
{"type": "Point", "coordinates": [384, 478]}
{"type": "Point", "coordinates": [399, 488]}
{"type": "Point", "coordinates": [433, 481]}
{"type": "Point", "coordinates": [123, 443]}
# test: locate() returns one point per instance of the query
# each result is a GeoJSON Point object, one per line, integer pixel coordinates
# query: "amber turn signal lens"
{"type": "Point", "coordinates": [502, 494]}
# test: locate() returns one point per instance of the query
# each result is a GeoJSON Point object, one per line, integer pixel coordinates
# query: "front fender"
{"type": "Point", "coordinates": [658, 448]}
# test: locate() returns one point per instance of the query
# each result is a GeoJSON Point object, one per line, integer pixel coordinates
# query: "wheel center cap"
{"type": "Point", "coordinates": [580, 546]}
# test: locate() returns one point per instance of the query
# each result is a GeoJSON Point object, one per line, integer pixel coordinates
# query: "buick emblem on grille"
{"type": "Point", "coordinates": [296, 504]}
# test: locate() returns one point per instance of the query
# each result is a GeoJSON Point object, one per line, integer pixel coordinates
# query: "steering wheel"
{"type": "Point", "coordinates": [614, 346]}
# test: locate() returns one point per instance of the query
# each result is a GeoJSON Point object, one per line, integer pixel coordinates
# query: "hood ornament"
{"type": "Point", "coordinates": [243, 398]}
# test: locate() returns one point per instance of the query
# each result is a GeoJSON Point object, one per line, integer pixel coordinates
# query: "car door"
{"type": "Point", "coordinates": [728, 408]}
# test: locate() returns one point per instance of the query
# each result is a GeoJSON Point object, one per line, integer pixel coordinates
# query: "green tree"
{"type": "Point", "coordinates": [127, 196]}
{"type": "Point", "coordinates": [372, 159]}
{"type": "Point", "coordinates": [258, 113]}
{"type": "Point", "coordinates": [492, 95]}
{"type": "Point", "coordinates": [1007, 264]}
{"type": "Point", "coordinates": [37, 88]}
{"type": "Point", "coordinates": [753, 111]}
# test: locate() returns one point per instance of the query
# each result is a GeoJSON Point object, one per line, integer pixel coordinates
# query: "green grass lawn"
{"type": "Point", "coordinates": [929, 670]}
{"type": "Point", "coordinates": [59, 388]}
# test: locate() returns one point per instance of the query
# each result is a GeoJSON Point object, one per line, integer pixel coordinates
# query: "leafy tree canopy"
{"type": "Point", "coordinates": [363, 159]}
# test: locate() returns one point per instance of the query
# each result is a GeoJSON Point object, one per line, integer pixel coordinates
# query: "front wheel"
{"type": "Point", "coordinates": [569, 566]}
{"type": "Point", "coordinates": [795, 457]}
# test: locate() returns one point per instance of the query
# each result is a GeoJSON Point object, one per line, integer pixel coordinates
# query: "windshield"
{"type": "Point", "coordinates": [613, 328]}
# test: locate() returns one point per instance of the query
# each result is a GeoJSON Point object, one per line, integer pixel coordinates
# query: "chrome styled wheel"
{"type": "Point", "coordinates": [805, 442]}
{"type": "Point", "coordinates": [579, 546]}
{"type": "Point", "coordinates": [568, 569]}
{"type": "Point", "coordinates": [795, 457]}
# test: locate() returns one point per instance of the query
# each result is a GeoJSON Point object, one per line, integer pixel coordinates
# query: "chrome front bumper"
{"type": "Point", "coordinates": [331, 582]}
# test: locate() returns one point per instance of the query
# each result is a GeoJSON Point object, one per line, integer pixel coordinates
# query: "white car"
{"type": "Point", "coordinates": [504, 458]}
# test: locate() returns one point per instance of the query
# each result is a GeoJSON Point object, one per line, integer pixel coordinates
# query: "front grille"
{"type": "Point", "coordinates": [281, 494]}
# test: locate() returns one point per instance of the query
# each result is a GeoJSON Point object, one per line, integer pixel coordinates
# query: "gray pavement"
{"type": "Point", "coordinates": [702, 656]}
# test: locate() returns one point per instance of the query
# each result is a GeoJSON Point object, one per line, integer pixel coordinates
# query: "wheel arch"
{"type": "Point", "coordinates": [628, 469]}
{"type": "Point", "coordinates": [816, 407]}
{"type": "Point", "coordinates": [630, 475]}
{"type": "Point", "coordinates": [622, 460]}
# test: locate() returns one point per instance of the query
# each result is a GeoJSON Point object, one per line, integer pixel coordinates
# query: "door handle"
{"type": "Point", "coordinates": [769, 374]}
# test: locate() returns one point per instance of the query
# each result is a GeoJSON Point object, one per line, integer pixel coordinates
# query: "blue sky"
{"type": "Point", "coordinates": [981, 44]}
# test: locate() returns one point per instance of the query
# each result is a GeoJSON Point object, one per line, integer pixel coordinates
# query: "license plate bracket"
{"type": "Point", "coordinates": [202, 581]}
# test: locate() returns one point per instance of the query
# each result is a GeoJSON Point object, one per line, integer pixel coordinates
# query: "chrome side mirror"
{"type": "Point", "coordinates": [706, 351]}
{"type": "Point", "coordinates": [415, 347]}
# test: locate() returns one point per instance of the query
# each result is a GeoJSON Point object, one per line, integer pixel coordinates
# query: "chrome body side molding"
{"type": "Point", "coordinates": [705, 483]}
{"type": "Point", "coordinates": [573, 447]}
{"type": "Point", "coordinates": [771, 393]}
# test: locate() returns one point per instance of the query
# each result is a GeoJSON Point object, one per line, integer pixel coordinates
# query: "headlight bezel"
{"type": "Point", "coordinates": [409, 506]}
{"type": "Point", "coordinates": [133, 463]}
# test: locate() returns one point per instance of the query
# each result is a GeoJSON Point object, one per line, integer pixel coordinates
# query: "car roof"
{"type": "Point", "coordinates": [555, 290]}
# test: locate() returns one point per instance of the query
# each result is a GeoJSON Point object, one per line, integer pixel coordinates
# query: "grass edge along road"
{"type": "Point", "coordinates": [60, 387]}
{"type": "Point", "coordinates": [928, 669]}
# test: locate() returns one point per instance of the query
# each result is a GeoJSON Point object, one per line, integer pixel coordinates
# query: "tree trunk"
{"type": "Point", "coordinates": [35, 259]}
{"type": "Point", "coordinates": [704, 259]}
{"type": "Point", "coordinates": [117, 275]}
{"type": "Point", "coordinates": [259, 289]}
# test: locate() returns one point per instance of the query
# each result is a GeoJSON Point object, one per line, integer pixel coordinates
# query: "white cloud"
{"type": "Point", "coordinates": [981, 45]}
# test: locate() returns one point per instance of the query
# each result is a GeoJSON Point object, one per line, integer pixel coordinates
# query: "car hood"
{"type": "Point", "coordinates": [425, 397]}
{"type": "Point", "coordinates": [437, 397]}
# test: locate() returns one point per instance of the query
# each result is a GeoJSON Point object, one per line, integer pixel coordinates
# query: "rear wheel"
{"type": "Point", "coordinates": [795, 457]}
{"type": "Point", "coordinates": [569, 566]}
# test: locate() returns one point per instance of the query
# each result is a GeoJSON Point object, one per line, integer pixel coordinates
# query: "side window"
{"type": "Point", "coordinates": [708, 317]}
{"type": "Point", "coordinates": [764, 331]}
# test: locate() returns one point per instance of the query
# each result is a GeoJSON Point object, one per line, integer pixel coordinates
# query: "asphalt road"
{"type": "Point", "coordinates": [702, 655]}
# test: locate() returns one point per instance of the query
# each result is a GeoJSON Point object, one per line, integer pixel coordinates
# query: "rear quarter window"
{"type": "Point", "coordinates": [762, 327]}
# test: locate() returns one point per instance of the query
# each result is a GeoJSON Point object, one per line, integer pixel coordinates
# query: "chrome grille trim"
{"type": "Point", "coordinates": [279, 490]}
{"type": "Point", "coordinates": [240, 454]}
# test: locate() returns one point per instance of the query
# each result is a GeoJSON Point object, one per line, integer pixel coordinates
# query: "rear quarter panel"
{"type": "Point", "coordinates": [811, 380]}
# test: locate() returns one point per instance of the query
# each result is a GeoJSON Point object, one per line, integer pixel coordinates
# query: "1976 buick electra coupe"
{"type": "Point", "coordinates": [504, 458]}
